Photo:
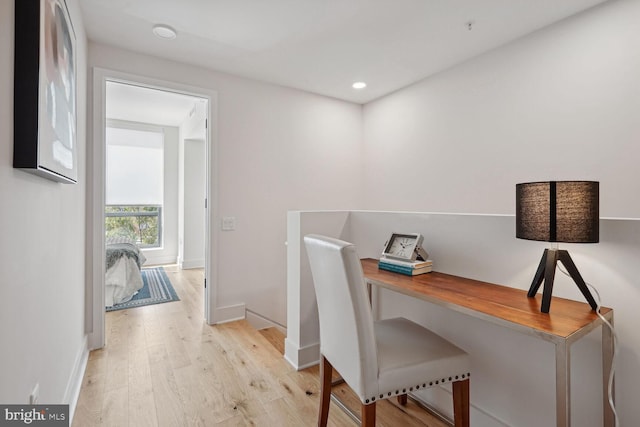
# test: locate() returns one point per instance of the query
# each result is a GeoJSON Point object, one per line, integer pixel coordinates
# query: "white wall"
{"type": "Point", "coordinates": [193, 251]}
{"type": "Point", "coordinates": [42, 253]}
{"type": "Point", "coordinates": [192, 173]}
{"type": "Point", "coordinates": [192, 180]}
{"type": "Point", "coordinates": [168, 254]}
{"type": "Point", "coordinates": [278, 149]}
{"type": "Point", "coordinates": [302, 345]}
{"type": "Point", "coordinates": [562, 103]}
{"type": "Point", "coordinates": [194, 125]}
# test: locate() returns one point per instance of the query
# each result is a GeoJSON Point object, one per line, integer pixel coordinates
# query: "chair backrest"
{"type": "Point", "coordinates": [347, 336]}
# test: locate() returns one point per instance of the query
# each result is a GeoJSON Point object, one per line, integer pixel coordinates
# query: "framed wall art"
{"type": "Point", "coordinates": [45, 105]}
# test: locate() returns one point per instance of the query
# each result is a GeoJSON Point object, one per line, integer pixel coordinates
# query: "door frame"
{"type": "Point", "coordinates": [96, 157]}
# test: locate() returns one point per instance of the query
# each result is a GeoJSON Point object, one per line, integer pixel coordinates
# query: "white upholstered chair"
{"type": "Point", "coordinates": [380, 359]}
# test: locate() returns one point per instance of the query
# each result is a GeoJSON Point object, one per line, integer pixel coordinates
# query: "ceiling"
{"type": "Point", "coordinates": [323, 46]}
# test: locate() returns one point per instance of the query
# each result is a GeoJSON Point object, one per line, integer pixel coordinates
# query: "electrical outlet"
{"type": "Point", "coordinates": [35, 395]}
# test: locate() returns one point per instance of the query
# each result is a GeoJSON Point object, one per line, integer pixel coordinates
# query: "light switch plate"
{"type": "Point", "coordinates": [228, 223]}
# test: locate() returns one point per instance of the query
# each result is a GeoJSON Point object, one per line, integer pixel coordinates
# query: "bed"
{"type": "Point", "coordinates": [123, 278]}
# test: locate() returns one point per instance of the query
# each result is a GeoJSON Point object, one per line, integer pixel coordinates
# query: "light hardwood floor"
{"type": "Point", "coordinates": [164, 366]}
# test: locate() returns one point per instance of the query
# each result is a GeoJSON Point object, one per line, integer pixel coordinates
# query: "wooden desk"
{"type": "Point", "coordinates": [567, 322]}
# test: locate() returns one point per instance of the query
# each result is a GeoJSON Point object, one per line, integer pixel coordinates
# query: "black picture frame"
{"type": "Point", "coordinates": [45, 87]}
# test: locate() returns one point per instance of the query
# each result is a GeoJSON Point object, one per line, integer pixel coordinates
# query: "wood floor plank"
{"type": "Point", "coordinates": [141, 405]}
{"type": "Point", "coordinates": [168, 402]}
{"type": "Point", "coordinates": [89, 407]}
{"type": "Point", "coordinates": [196, 408]}
{"type": "Point", "coordinates": [279, 410]}
{"type": "Point", "coordinates": [275, 338]}
{"type": "Point", "coordinates": [213, 398]}
{"type": "Point", "coordinates": [116, 375]}
{"type": "Point", "coordinates": [115, 403]}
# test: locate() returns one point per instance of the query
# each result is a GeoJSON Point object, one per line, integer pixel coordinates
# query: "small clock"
{"type": "Point", "coordinates": [406, 247]}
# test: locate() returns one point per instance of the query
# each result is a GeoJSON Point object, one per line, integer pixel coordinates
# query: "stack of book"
{"type": "Point", "coordinates": [405, 267]}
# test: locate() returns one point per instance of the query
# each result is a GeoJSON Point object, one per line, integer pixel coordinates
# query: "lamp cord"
{"type": "Point", "coordinates": [615, 346]}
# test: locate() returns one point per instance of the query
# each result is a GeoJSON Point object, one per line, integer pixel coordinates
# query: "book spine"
{"type": "Point", "coordinates": [418, 264]}
{"type": "Point", "coordinates": [395, 268]}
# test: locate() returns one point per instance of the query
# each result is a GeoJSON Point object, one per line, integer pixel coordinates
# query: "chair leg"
{"type": "Point", "coordinates": [325, 391]}
{"type": "Point", "coordinates": [402, 399]}
{"type": "Point", "coordinates": [461, 403]}
{"type": "Point", "coordinates": [368, 413]}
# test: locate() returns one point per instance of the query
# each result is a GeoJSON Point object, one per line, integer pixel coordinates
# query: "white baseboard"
{"type": "Point", "coordinates": [191, 263]}
{"type": "Point", "coordinates": [72, 392]}
{"type": "Point", "coordinates": [261, 322]}
{"type": "Point", "coordinates": [159, 260]}
{"type": "Point", "coordinates": [229, 313]}
{"type": "Point", "coordinates": [301, 358]}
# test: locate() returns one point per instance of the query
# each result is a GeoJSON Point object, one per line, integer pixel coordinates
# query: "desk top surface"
{"type": "Point", "coordinates": [510, 306]}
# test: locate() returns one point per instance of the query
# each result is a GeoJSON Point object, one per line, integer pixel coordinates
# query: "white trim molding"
{"type": "Point", "coordinates": [301, 357]}
{"type": "Point", "coordinates": [74, 384]}
{"type": "Point", "coordinates": [229, 313]}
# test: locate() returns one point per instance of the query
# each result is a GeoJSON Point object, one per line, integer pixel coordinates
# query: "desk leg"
{"type": "Point", "coordinates": [607, 363]}
{"type": "Point", "coordinates": [563, 382]}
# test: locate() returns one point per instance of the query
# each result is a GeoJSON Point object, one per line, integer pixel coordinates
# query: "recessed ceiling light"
{"type": "Point", "coordinates": [164, 31]}
{"type": "Point", "coordinates": [359, 85]}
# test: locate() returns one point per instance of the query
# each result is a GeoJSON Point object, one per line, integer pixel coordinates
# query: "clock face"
{"type": "Point", "coordinates": [402, 246]}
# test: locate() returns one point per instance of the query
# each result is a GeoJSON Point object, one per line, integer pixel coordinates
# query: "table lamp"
{"type": "Point", "coordinates": [557, 211]}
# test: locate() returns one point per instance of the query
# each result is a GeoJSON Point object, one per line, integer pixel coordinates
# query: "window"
{"type": "Point", "coordinates": [141, 224]}
{"type": "Point", "coordinates": [135, 184]}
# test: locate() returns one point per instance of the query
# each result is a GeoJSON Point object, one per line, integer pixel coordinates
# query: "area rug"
{"type": "Point", "coordinates": [157, 289]}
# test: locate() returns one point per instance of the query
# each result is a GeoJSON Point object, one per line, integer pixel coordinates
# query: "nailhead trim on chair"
{"type": "Point", "coordinates": [424, 385]}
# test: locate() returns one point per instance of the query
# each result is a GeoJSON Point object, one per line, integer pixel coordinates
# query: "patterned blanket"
{"type": "Point", "coordinates": [117, 248]}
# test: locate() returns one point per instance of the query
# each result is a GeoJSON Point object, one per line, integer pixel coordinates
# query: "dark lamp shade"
{"type": "Point", "coordinates": [558, 211]}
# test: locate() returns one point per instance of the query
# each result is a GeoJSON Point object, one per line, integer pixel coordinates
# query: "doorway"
{"type": "Point", "coordinates": [183, 207]}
